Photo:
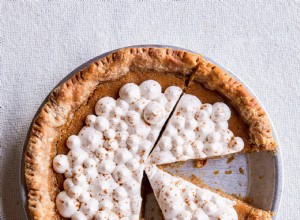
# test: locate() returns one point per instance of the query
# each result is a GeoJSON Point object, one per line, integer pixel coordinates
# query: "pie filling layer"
{"type": "Point", "coordinates": [104, 168]}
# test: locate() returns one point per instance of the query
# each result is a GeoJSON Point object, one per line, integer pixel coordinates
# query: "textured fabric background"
{"type": "Point", "coordinates": [42, 41]}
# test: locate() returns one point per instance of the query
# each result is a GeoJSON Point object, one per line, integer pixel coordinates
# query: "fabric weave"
{"type": "Point", "coordinates": [42, 41]}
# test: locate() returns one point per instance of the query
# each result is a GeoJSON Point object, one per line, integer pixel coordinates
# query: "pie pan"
{"type": "Point", "coordinates": [256, 176]}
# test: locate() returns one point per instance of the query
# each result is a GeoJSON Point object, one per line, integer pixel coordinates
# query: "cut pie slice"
{"type": "Point", "coordinates": [182, 199]}
{"type": "Point", "coordinates": [227, 119]}
{"type": "Point", "coordinates": [196, 131]}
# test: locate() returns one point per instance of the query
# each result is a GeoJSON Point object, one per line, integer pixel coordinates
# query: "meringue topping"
{"type": "Point", "coordinates": [105, 164]}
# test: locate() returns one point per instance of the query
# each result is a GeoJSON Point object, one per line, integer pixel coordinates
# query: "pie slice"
{"type": "Point", "coordinates": [181, 199]}
{"type": "Point", "coordinates": [196, 131]}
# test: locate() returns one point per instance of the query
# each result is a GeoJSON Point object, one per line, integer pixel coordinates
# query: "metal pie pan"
{"type": "Point", "coordinates": [257, 176]}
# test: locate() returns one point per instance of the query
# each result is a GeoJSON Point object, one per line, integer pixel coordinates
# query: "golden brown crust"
{"type": "Point", "coordinates": [214, 78]}
{"type": "Point", "coordinates": [75, 92]}
{"type": "Point", "coordinates": [63, 102]}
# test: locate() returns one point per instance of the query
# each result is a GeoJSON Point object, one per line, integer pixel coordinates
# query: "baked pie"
{"type": "Point", "coordinates": [130, 112]}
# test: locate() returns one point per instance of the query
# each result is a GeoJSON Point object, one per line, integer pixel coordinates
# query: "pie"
{"type": "Point", "coordinates": [90, 143]}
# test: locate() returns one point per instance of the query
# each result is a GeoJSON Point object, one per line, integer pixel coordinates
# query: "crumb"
{"type": "Point", "coordinates": [260, 177]}
{"type": "Point", "coordinates": [230, 159]}
{"type": "Point", "coordinates": [216, 172]}
{"type": "Point", "coordinates": [200, 163]}
{"type": "Point", "coordinates": [228, 172]}
{"type": "Point", "coordinates": [242, 171]}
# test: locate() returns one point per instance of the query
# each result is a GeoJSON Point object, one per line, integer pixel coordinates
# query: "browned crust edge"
{"type": "Point", "coordinates": [215, 78]}
{"type": "Point", "coordinates": [63, 102]}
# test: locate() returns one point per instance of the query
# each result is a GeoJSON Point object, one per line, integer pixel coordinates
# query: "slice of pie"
{"type": "Point", "coordinates": [90, 141]}
{"type": "Point", "coordinates": [196, 131]}
{"type": "Point", "coordinates": [181, 199]}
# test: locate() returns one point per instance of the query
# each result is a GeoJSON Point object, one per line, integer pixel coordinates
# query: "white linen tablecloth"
{"type": "Point", "coordinates": [42, 41]}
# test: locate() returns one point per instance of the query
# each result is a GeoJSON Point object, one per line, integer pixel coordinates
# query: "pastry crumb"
{"type": "Point", "coordinates": [230, 159]}
{"type": "Point", "coordinates": [200, 163]}
{"type": "Point", "coordinates": [216, 172]}
{"type": "Point", "coordinates": [228, 172]}
{"type": "Point", "coordinates": [242, 171]}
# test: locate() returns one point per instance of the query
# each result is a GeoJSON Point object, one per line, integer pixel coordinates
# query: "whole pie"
{"type": "Point", "coordinates": [133, 111]}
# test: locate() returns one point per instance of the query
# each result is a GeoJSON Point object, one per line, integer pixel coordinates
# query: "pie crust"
{"type": "Point", "coordinates": [67, 106]}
